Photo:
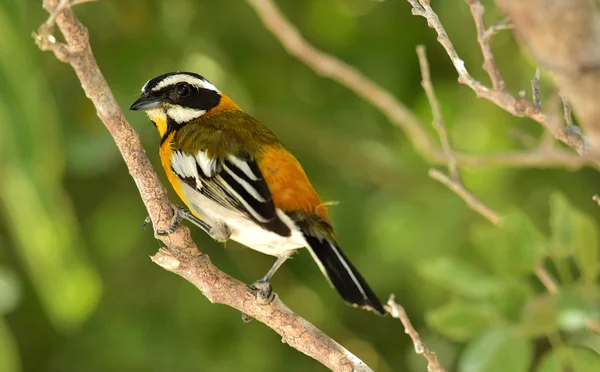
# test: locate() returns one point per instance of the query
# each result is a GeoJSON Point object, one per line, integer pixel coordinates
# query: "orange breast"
{"type": "Point", "coordinates": [288, 183]}
{"type": "Point", "coordinates": [165, 156]}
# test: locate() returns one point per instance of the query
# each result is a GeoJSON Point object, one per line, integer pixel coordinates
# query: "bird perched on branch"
{"type": "Point", "coordinates": [240, 182]}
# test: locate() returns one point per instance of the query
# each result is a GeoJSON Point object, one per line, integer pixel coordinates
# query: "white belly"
{"type": "Point", "coordinates": [244, 230]}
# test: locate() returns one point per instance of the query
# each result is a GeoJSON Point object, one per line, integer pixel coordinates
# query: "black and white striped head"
{"type": "Point", "coordinates": [178, 97]}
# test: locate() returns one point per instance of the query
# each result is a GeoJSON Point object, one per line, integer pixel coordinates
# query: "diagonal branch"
{"type": "Point", "coordinates": [520, 107]}
{"type": "Point", "coordinates": [398, 312]}
{"type": "Point", "coordinates": [454, 183]}
{"type": "Point", "coordinates": [335, 69]}
{"type": "Point", "coordinates": [182, 257]}
{"type": "Point", "coordinates": [397, 113]}
{"type": "Point", "coordinates": [563, 37]}
{"type": "Point", "coordinates": [483, 38]}
{"type": "Point", "coordinates": [438, 121]}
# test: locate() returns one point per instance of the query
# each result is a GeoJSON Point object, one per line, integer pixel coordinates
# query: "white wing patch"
{"type": "Point", "coordinates": [246, 205]}
{"type": "Point", "coordinates": [185, 166]}
{"type": "Point", "coordinates": [231, 183]}
{"type": "Point", "coordinates": [249, 188]}
{"type": "Point", "coordinates": [243, 166]}
{"type": "Point", "coordinates": [207, 164]}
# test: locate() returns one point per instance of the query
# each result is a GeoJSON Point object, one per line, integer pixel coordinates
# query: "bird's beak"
{"type": "Point", "coordinates": [146, 103]}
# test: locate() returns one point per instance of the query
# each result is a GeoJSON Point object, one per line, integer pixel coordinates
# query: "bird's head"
{"type": "Point", "coordinates": [177, 98]}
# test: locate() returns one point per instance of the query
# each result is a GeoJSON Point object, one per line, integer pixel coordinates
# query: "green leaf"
{"type": "Point", "coordinates": [51, 250]}
{"type": "Point", "coordinates": [540, 316]}
{"type": "Point", "coordinates": [9, 351]}
{"type": "Point", "coordinates": [576, 310]}
{"type": "Point", "coordinates": [570, 359]}
{"type": "Point", "coordinates": [515, 248]}
{"type": "Point", "coordinates": [460, 277]}
{"type": "Point", "coordinates": [498, 350]}
{"type": "Point", "coordinates": [10, 290]}
{"type": "Point", "coordinates": [461, 320]}
{"type": "Point", "coordinates": [574, 233]}
{"type": "Point", "coordinates": [509, 302]}
{"type": "Point", "coordinates": [570, 310]}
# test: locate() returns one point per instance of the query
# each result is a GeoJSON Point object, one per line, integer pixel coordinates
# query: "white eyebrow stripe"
{"type": "Point", "coordinates": [183, 78]}
{"type": "Point", "coordinates": [145, 85]}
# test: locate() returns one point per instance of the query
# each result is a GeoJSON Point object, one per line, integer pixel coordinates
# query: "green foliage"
{"type": "Point", "coordinates": [461, 320]}
{"type": "Point", "coordinates": [497, 350]}
{"type": "Point", "coordinates": [572, 359]}
{"type": "Point", "coordinates": [9, 351]}
{"type": "Point", "coordinates": [514, 249]}
{"type": "Point", "coordinates": [574, 234]}
{"type": "Point", "coordinates": [460, 277]}
{"type": "Point", "coordinates": [39, 214]}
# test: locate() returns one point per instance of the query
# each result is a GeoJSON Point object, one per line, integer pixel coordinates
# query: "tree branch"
{"type": "Point", "coordinates": [398, 312]}
{"type": "Point", "coordinates": [564, 37]}
{"type": "Point", "coordinates": [483, 38]}
{"type": "Point", "coordinates": [438, 121]}
{"type": "Point", "coordinates": [454, 182]}
{"type": "Point", "coordinates": [182, 257]}
{"type": "Point", "coordinates": [519, 107]}
{"type": "Point", "coordinates": [397, 113]}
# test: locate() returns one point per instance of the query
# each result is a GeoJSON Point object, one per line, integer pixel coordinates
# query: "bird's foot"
{"type": "Point", "coordinates": [178, 214]}
{"type": "Point", "coordinates": [264, 292]}
{"type": "Point", "coordinates": [264, 296]}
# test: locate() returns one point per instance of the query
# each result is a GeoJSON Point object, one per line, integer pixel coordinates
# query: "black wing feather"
{"type": "Point", "coordinates": [226, 190]}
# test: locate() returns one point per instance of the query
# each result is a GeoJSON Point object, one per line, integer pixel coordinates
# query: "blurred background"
{"type": "Point", "coordinates": [78, 291]}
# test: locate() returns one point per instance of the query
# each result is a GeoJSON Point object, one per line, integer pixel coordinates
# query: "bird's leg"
{"type": "Point", "coordinates": [219, 232]}
{"type": "Point", "coordinates": [178, 215]}
{"type": "Point", "coordinates": [264, 292]}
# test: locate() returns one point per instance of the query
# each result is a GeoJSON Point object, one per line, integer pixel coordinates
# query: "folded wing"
{"type": "Point", "coordinates": [234, 182]}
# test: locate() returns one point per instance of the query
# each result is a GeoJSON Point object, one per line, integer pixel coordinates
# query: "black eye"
{"type": "Point", "coordinates": [182, 89]}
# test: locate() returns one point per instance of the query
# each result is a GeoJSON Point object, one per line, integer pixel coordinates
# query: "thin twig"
{"type": "Point", "coordinates": [547, 141]}
{"type": "Point", "coordinates": [438, 121]}
{"type": "Point", "coordinates": [473, 203]}
{"type": "Point", "coordinates": [563, 36]}
{"type": "Point", "coordinates": [182, 257]}
{"type": "Point", "coordinates": [398, 312]}
{"type": "Point", "coordinates": [568, 113]}
{"type": "Point", "coordinates": [535, 88]}
{"type": "Point", "coordinates": [397, 113]}
{"type": "Point", "coordinates": [547, 280]}
{"type": "Point", "coordinates": [505, 24]}
{"type": "Point", "coordinates": [483, 38]}
{"type": "Point", "coordinates": [520, 107]}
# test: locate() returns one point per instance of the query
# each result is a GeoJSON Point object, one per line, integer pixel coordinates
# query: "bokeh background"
{"type": "Point", "coordinates": [78, 291]}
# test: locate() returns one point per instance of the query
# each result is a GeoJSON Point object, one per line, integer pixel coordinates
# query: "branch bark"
{"type": "Point", "coordinates": [564, 37]}
{"type": "Point", "coordinates": [182, 257]}
{"type": "Point", "coordinates": [519, 107]}
{"type": "Point", "coordinates": [399, 115]}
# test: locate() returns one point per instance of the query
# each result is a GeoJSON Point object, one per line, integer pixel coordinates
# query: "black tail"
{"type": "Point", "coordinates": [342, 275]}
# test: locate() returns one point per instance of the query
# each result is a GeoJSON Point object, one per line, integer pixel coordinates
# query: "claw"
{"type": "Point", "coordinates": [147, 220]}
{"type": "Point", "coordinates": [246, 318]}
{"type": "Point", "coordinates": [264, 292]}
{"type": "Point", "coordinates": [178, 214]}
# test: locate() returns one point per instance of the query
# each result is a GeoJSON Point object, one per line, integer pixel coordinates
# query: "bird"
{"type": "Point", "coordinates": [239, 182]}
